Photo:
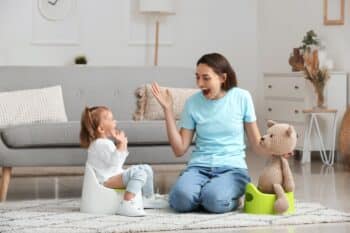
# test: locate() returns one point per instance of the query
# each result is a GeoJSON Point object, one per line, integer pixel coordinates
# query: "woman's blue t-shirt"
{"type": "Point", "coordinates": [219, 127]}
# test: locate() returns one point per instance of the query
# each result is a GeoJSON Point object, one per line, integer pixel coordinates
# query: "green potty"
{"type": "Point", "coordinates": [257, 202]}
{"type": "Point", "coordinates": [120, 191]}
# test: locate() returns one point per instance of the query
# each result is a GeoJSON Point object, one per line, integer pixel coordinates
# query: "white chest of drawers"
{"type": "Point", "coordinates": [287, 94]}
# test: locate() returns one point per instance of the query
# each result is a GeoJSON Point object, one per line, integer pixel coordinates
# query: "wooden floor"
{"type": "Point", "coordinates": [314, 182]}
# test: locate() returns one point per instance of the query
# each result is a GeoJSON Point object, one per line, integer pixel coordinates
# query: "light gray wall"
{"type": "Point", "coordinates": [283, 24]}
{"type": "Point", "coordinates": [107, 31]}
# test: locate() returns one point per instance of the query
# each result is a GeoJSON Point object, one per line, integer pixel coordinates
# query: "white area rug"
{"type": "Point", "coordinates": [63, 216]}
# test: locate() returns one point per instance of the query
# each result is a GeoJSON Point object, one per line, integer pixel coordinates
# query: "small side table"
{"type": "Point", "coordinates": [327, 158]}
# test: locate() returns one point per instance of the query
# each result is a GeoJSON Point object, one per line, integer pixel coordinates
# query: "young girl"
{"type": "Point", "coordinates": [107, 159]}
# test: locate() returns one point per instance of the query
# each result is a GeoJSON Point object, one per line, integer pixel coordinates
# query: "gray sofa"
{"type": "Point", "coordinates": [57, 144]}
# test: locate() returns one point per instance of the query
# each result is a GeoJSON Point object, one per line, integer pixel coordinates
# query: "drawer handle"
{"type": "Point", "coordinates": [269, 109]}
{"type": "Point", "coordinates": [269, 86]}
{"type": "Point", "coordinates": [296, 111]}
{"type": "Point", "coordinates": [296, 87]}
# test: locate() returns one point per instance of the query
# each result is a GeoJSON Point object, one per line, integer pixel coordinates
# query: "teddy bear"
{"type": "Point", "coordinates": [276, 177]}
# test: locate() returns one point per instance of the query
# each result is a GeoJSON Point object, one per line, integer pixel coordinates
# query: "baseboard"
{"type": "Point", "coordinates": [315, 156]}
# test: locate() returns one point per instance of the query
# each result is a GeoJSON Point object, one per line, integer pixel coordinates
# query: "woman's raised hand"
{"type": "Point", "coordinates": [164, 98]}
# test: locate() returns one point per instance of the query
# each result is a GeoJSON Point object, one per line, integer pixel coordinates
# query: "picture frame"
{"type": "Point", "coordinates": [326, 14]}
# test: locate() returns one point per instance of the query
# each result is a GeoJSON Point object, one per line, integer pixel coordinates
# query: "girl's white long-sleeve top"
{"type": "Point", "coordinates": [104, 157]}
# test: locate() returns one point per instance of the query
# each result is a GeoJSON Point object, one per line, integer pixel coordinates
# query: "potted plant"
{"type": "Point", "coordinates": [310, 41]}
{"type": "Point", "coordinates": [80, 60]}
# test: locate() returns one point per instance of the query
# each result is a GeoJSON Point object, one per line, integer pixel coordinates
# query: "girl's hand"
{"type": "Point", "coordinates": [164, 98]}
{"type": "Point", "coordinates": [122, 140]}
{"type": "Point", "coordinates": [114, 133]}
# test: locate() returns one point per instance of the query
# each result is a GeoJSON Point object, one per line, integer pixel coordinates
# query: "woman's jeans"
{"type": "Point", "coordinates": [217, 189]}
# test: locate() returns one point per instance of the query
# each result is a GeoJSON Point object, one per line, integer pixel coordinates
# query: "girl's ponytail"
{"type": "Point", "coordinates": [87, 129]}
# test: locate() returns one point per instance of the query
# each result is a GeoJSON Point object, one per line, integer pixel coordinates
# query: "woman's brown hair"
{"type": "Point", "coordinates": [220, 66]}
{"type": "Point", "coordinates": [90, 120]}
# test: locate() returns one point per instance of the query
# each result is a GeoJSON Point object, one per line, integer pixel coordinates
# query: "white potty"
{"type": "Point", "coordinates": [96, 198]}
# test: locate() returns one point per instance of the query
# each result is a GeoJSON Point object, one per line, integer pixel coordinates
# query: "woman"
{"type": "Point", "coordinates": [219, 114]}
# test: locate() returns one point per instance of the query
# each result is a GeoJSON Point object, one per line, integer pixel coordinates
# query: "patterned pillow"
{"type": "Point", "coordinates": [32, 106]}
{"type": "Point", "coordinates": [148, 107]}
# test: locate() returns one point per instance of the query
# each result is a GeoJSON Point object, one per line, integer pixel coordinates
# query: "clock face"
{"type": "Point", "coordinates": [56, 9]}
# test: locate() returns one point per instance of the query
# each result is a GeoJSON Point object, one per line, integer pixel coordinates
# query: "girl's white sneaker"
{"type": "Point", "coordinates": [156, 201]}
{"type": "Point", "coordinates": [131, 208]}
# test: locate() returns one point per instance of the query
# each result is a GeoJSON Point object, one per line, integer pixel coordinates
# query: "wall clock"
{"type": "Point", "coordinates": [56, 10]}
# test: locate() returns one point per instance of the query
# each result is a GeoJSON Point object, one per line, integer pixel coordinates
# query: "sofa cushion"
{"type": "Point", "coordinates": [67, 134]}
{"type": "Point", "coordinates": [29, 106]}
{"type": "Point", "coordinates": [148, 108]}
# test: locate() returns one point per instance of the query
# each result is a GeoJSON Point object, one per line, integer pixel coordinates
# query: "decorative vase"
{"type": "Point", "coordinates": [319, 97]}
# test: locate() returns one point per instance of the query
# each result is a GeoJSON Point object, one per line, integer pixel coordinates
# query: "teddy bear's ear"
{"type": "Point", "coordinates": [270, 123]}
{"type": "Point", "coordinates": [289, 131]}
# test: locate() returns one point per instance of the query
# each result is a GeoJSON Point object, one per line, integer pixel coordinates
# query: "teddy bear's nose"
{"type": "Point", "coordinates": [262, 139]}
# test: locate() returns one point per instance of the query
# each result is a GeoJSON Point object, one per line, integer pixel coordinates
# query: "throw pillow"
{"type": "Point", "coordinates": [32, 106]}
{"type": "Point", "coordinates": [148, 107]}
